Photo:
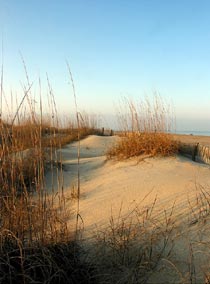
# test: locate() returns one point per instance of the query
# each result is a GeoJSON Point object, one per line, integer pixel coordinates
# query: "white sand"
{"type": "Point", "coordinates": [110, 186]}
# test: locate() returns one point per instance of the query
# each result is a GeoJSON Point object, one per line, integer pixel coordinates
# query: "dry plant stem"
{"type": "Point", "coordinates": [26, 92]}
{"type": "Point", "coordinates": [4, 233]}
{"type": "Point", "coordinates": [55, 125]}
{"type": "Point", "coordinates": [2, 78]}
{"type": "Point", "coordinates": [42, 196]}
{"type": "Point", "coordinates": [192, 272]}
{"type": "Point", "coordinates": [28, 87]}
{"type": "Point", "coordinates": [78, 149]}
{"type": "Point", "coordinates": [175, 269]}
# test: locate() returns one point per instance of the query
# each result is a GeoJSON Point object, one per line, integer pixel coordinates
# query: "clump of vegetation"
{"type": "Point", "coordinates": [145, 130]}
{"type": "Point", "coordinates": [50, 263]}
{"type": "Point", "coordinates": [37, 244]}
{"type": "Point", "coordinates": [144, 144]}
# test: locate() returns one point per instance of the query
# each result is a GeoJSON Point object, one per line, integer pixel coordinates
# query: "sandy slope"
{"type": "Point", "coordinates": [91, 157]}
{"type": "Point", "coordinates": [109, 187]}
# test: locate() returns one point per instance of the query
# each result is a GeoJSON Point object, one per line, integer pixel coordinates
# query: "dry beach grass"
{"type": "Point", "coordinates": [136, 222]}
{"type": "Point", "coordinates": [142, 222]}
{"type": "Point", "coordinates": [36, 242]}
{"type": "Point", "coordinates": [136, 244]}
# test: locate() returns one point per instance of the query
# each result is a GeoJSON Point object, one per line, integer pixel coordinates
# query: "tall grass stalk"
{"type": "Point", "coordinates": [78, 149]}
{"type": "Point", "coordinates": [1, 86]}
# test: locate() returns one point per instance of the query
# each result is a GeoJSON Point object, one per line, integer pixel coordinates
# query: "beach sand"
{"type": "Point", "coordinates": [110, 189]}
{"type": "Point", "coordinates": [184, 138]}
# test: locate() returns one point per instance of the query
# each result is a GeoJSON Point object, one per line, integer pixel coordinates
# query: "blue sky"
{"type": "Point", "coordinates": [115, 48]}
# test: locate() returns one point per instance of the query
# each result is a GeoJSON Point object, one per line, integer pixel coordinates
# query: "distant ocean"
{"type": "Point", "coordinates": [193, 132]}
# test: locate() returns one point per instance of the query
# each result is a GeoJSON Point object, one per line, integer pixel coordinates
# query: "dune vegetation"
{"type": "Point", "coordinates": [146, 129]}
{"type": "Point", "coordinates": [37, 242]}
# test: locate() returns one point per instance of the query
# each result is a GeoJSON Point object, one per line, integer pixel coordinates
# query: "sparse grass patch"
{"type": "Point", "coordinates": [130, 250]}
{"type": "Point", "coordinates": [200, 206]}
{"type": "Point", "coordinates": [144, 247]}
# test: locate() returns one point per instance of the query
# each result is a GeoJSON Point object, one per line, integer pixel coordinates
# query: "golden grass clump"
{"type": "Point", "coordinates": [144, 144]}
{"type": "Point", "coordinates": [145, 130]}
{"type": "Point", "coordinates": [27, 208]}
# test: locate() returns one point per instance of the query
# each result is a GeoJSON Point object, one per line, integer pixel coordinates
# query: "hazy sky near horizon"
{"type": "Point", "coordinates": [115, 48]}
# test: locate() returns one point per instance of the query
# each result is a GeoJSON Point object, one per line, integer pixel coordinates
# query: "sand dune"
{"type": "Point", "coordinates": [110, 188]}
{"type": "Point", "coordinates": [92, 157]}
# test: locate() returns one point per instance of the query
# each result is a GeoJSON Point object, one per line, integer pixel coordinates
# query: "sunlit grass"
{"type": "Point", "coordinates": [36, 237]}
{"type": "Point", "coordinates": [145, 130]}
{"type": "Point", "coordinates": [37, 242]}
